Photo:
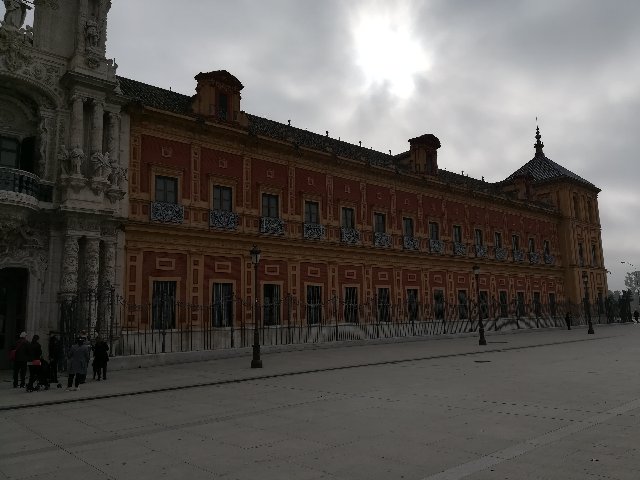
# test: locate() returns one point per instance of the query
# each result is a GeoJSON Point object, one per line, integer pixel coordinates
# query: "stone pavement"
{"type": "Point", "coordinates": [551, 404]}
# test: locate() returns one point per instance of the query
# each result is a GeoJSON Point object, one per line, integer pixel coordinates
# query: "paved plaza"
{"type": "Point", "coordinates": [552, 404]}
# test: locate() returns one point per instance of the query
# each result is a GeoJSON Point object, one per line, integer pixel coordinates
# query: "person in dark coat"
{"type": "Point", "coordinates": [56, 354]}
{"type": "Point", "coordinates": [35, 360]}
{"type": "Point", "coordinates": [20, 360]}
{"type": "Point", "coordinates": [567, 319]}
{"type": "Point", "coordinates": [100, 358]}
{"type": "Point", "coordinates": [78, 363]}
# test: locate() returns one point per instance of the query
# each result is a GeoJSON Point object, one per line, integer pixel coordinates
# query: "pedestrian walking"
{"type": "Point", "coordinates": [35, 361]}
{"type": "Point", "coordinates": [567, 319]}
{"type": "Point", "coordinates": [56, 355]}
{"type": "Point", "coordinates": [20, 358]}
{"type": "Point", "coordinates": [78, 363]}
{"type": "Point", "coordinates": [636, 315]}
{"type": "Point", "coordinates": [100, 358]}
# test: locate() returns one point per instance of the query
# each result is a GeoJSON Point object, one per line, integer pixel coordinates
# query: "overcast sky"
{"type": "Point", "coordinates": [474, 73]}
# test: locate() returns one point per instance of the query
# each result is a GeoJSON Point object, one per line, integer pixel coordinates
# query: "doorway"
{"type": "Point", "coordinates": [14, 283]}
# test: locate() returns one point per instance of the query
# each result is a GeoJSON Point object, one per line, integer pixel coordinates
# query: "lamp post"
{"type": "Point", "coordinates": [587, 309]}
{"type": "Point", "coordinates": [476, 272]}
{"type": "Point", "coordinates": [256, 362]}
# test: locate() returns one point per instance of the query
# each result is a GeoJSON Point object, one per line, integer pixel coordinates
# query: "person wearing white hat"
{"type": "Point", "coordinates": [20, 355]}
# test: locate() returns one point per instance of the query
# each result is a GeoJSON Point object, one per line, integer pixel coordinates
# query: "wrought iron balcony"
{"type": "Point", "coordinates": [350, 235]}
{"type": "Point", "coordinates": [459, 248]}
{"type": "Point", "coordinates": [410, 243]}
{"type": "Point", "coordinates": [167, 212]}
{"type": "Point", "coordinates": [271, 225]}
{"type": "Point", "coordinates": [381, 239]}
{"type": "Point", "coordinates": [549, 259]}
{"type": "Point", "coordinates": [501, 253]}
{"type": "Point", "coordinates": [223, 219]}
{"type": "Point", "coordinates": [481, 251]}
{"type": "Point", "coordinates": [534, 258]}
{"type": "Point", "coordinates": [436, 246]}
{"type": "Point", "coordinates": [22, 183]}
{"type": "Point", "coordinates": [518, 255]}
{"type": "Point", "coordinates": [314, 231]}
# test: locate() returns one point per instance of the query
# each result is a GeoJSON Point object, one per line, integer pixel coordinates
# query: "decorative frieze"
{"type": "Point", "coordinates": [167, 212]}
{"type": "Point", "coordinates": [313, 231]}
{"type": "Point", "coordinates": [410, 243]}
{"type": "Point", "coordinates": [381, 239]}
{"type": "Point", "coordinates": [272, 226]}
{"type": "Point", "coordinates": [436, 246]}
{"type": "Point", "coordinates": [223, 219]}
{"type": "Point", "coordinates": [350, 236]}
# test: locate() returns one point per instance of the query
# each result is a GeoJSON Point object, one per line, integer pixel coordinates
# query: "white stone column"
{"type": "Point", "coordinates": [114, 138]}
{"type": "Point", "coordinates": [77, 122]}
{"type": "Point", "coordinates": [69, 281]}
{"type": "Point", "coordinates": [107, 282]}
{"type": "Point", "coordinates": [92, 258]}
{"type": "Point", "coordinates": [97, 127]}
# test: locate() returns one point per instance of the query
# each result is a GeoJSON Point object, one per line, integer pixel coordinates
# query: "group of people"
{"type": "Point", "coordinates": [42, 373]}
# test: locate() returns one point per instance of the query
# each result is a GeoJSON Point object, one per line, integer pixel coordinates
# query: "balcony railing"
{"type": "Point", "coordinates": [410, 243]}
{"type": "Point", "coordinates": [271, 225]}
{"type": "Point", "coordinates": [314, 231]}
{"type": "Point", "coordinates": [381, 239]}
{"type": "Point", "coordinates": [549, 259]}
{"type": "Point", "coordinates": [534, 258]}
{"type": "Point", "coordinates": [25, 183]}
{"type": "Point", "coordinates": [436, 246]}
{"type": "Point", "coordinates": [223, 219]}
{"type": "Point", "coordinates": [350, 235]}
{"type": "Point", "coordinates": [459, 248]}
{"type": "Point", "coordinates": [518, 255]}
{"type": "Point", "coordinates": [501, 253]}
{"type": "Point", "coordinates": [167, 212]}
{"type": "Point", "coordinates": [481, 251]}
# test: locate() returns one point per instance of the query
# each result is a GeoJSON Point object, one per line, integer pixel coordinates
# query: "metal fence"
{"type": "Point", "coordinates": [167, 325]}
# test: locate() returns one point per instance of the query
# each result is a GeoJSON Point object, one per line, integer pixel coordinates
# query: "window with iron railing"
{"type": "Point", "coordinates": [163, 301]}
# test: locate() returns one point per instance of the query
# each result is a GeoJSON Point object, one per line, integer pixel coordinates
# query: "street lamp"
{"type": "Point", "coordinates": [587, 309]}
{"type": "Point", "coordinates": [256, 362]}
{"type": "Point", "coordinates": [476, 272]}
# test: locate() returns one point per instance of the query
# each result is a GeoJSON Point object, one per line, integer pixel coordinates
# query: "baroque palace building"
{"type": "Point", "coordinates": [63, 161]}
{"type": "Point", "coordinates": [333, 220]}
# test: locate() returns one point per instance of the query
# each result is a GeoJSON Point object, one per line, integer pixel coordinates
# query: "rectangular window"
{"type": "Point", "coordinates": [580, 255]}
{"type": "Point", "coordinates": [351, 304]}
{"type": "Point", "coordinates": [222, 304]}
{"type": "Point", "coordinates": [457, 233]}
{"type": "Point", "coordinates": [463, 308]}
{"type": "Point", "coordinates": [9, 152]}
{"type": "Point", "coordinates": [348, 217]}
{"type": "Point", "coordinates": [222, 198]}
{"type": "Point", "coordinates": [594, 259]}
{"type": "Point", "coordinates": [314, 304]}
{"type": "Point", "coordinates": [438, 304]}
{"type": "Point", "coordinates": [379, 222]}
{"type": "Point", "coordinates": [478, 237]}
{"type": "Point", "coordinates": [515, 242]}
{"type": "Point", "coordinates": [270, 205]}
{"type": "Point", "coordinates": [434, 232]}
{"type": "Point", "coordinates": [412, 304]}
{"type": "Point", "coordinates": [537, 305]}
{"type": "Point", "coordinates": [407, 226]}
{"type": "Point", "coordinates": [497, 240]}
{"type": "Point", "coordinates": [384, 307]}
{"type": "Point", "coordinates": [545, 247]}
{"type": "Point", "coordinates": [166, 189]}
{"type": "Point", "coordinates": [163, 305]}
{"type": "Point", "coordinates": [223, 106]}
{"type": "Point", "coordinates": [312, 212]}
{"type": "Point", "coordinates": [271, 304]}
{"type": "Point", "coordinates": [552, 304]}
{"type": "Point", "coordinates": [532, 245]}
{"type": "Point", "coordinates": [521, 305]}
{"type": "Point", "coordinates": [504, 303]}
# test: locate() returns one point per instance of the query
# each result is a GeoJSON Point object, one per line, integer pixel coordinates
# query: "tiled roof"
{"type": "Point", "coordinates": [155, 97]}
{"type": "Point", "coordinates": [542, 169]}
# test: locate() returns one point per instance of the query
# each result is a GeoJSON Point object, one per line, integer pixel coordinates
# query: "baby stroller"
{"type": "Point", "coordinates": [42, 379]}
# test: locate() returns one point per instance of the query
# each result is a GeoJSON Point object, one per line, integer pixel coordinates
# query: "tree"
{"type": "Point", "coordinates": [632, 282]}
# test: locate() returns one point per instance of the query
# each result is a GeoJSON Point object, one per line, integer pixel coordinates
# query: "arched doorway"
{"type": "Point", "coordinates": [14, 284]}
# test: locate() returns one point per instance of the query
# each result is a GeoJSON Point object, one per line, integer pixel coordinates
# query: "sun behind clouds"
{"type": "Point", "coordinates": [386, 49]}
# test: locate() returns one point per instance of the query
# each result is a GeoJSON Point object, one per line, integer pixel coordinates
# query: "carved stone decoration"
{"type": "Point", "coordinates": [381, 239]}
{"type": "Point", "coordinates": [71, 161]}
{"type": "Point", "coordinates": [69, 281]}
{"type": "Point", "coordinates": [23, 245]}
{"type": "Point", "coordinates": [15, 14]}
{"type": "Point", "coordinates": [92, 35]}
{"type": "Point", "coordinates": [314, 231]}
{"type": "Point", "coordinates": [43, 142]}
{"type": "Point", "coordinates": [167, 212]}
{"type": "Point", "coordinates": [101, 165]}
{"type": "Point", "coordinates": [223, 219]}
{"type": "Point", "coordinates": [16, 48]}
{"type": "Point", "coordinates": [350, 236]}
{"type": "Point", "coordinates": [272, 226]}
{"type": "Point", "coordinates": [52, 4]}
